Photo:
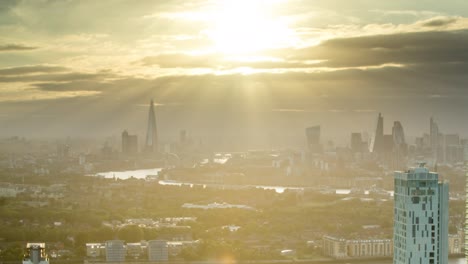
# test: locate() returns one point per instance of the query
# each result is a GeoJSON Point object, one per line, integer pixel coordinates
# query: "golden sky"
{"type": "Point", "coordinates": [282, 57]}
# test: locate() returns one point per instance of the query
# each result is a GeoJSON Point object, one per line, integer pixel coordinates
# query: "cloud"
{"type": "Point", "coordinates": [439, 21]}
{"type": "Point", "coordinates": [399, 49]}
{"type": "Point", "coordinates": [406, 48]}
{"type": "Point", "coordinates": [15, 47]}
{"type": "Point", "coordinates": [32, 69]}
{"type": "Point", "coordinates": [415, 13]}
{"type": "Point", "coordinates": [6, 5]}
{"type": "Point", "coordinates": [61, 77]}
{"type": "Point", "coordinates": [73, 85]}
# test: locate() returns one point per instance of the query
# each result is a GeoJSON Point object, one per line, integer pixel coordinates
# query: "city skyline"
{"type": "Point", "coordinates": [313, 64]}
{"type": "Point", "coordinates": [233, 131]}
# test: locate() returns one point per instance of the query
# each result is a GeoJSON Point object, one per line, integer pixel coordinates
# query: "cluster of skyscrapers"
{"type": "Point", "coordinates": [444, 148]}
{"type": "Point", "coordinates": [390, 147]}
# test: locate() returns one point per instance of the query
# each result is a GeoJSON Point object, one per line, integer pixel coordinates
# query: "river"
{"type": "Point", "coordinates": [142, 174]}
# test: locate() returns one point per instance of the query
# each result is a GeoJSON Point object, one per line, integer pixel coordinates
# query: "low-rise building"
{"type": "Point", "coordinates": [360, 248]}
{"type": "Point", "coordinates": [455, 244]}
{"type": "Point", "coordinates": [134, 250]}
{"type": "Point", "coordinates": [95, 250]}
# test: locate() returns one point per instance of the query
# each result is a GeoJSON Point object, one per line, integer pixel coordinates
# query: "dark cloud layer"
{"type": "Point", "coordinates": [436, 47]}
{"type": "Point", "coordinates": [15, 47]}
{"type": "Point", "coordinates": [31, 70]}
{"type": "Point", "coordinates": [62, 77]}
{"type": "Point", "coordinates": [440, 21]}
{"type": "Point", "coordinates": [406, 48]}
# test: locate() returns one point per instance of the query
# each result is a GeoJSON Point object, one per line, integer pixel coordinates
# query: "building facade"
{"type": "Point", "coordinates": [340, 248]}
{"type": "Point", "coordinates": [313, 139]}
{"type": "Point", "coordinates": [35, 254]}
{"type": "Point", "coordinates": [95, 250]}
{"type": "Point", "coordinates": [420, 231]}
{"type": "Point", "coordinates": [115, 251]}
{"type": "Point", "coordinates": [158, 250]}
{"type": "Point", "coordinates": [377, 143]}
{"type": "Point", "coordinates": [129, 143]}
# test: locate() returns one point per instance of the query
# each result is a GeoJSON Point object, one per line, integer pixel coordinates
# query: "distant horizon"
{"type": "Point", "coordinates": [295, 139]}
{"type": "Point", "coordinates": [86, 68]}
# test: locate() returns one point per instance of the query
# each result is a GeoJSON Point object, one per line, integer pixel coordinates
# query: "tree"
{"type": "Point", "coordinates": [12, 253]}
{"type": "Point", "coordinates": [130, 233]}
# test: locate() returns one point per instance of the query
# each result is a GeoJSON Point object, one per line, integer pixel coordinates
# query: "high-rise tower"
{"type": "Point", "coordinates": [377, 143]}
{"type": "Point", "coordinates": [420, 229]}
{"type": "Point", "coordinates": [399, 148]}
{"type": "Point", "coordinates": [129, 143]}
{"type": "Point", "coordinates": [151, 144]}
{"type": "Point", "coordinates": [313, 139]}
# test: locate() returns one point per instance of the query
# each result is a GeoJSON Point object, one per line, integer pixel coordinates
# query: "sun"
{"type": "Point", "coordinates": [248, 26]}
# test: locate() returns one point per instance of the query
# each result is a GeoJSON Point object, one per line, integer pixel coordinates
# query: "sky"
{"type": "Point", "coordinates": [250, 72]}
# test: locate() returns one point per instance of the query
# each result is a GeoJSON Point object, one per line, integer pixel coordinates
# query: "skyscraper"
{"type": "Point", "coordinates": [400, 148]}
{"type": "Point", "coordinates": [420, 231]}
{"type": "Point", "coordinates": [151, 144]}
{"type": "Point", "coordinates": [356, 142]}
{"type": "Point", "coordinates": [398, 134]}
{"type": "Point", "coordinates": [129, 143]}
{"type": "Point", "coordinates": [313, 139]}
{"type": "Point", "coordinates": [377, 143]}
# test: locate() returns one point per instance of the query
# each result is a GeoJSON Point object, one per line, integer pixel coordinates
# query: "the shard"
{"type": "Point", "coordinates": [377, 143]}
{"type": "Point", "coordinates": [151, 144]}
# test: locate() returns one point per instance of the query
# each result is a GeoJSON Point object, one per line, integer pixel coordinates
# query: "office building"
{"type": "Point", "coordinates": [434, 139]}
{"type": "Point", "coordinates": [400, 148]}
{"type": "Point", "coordinates": [115, 251]}
{"type": "Point", "coordinates": [158, 250]}
{"type": "Point", "coordinates": [313, 139]}
{"type": "Point", "coordinates": [129, 143]}
{"type": "Point", "coordinates": [398, 134]}
{"type": "Point", "coordinates": [420, 231]}
{"type": "Point", "coordinates": [151, 144]}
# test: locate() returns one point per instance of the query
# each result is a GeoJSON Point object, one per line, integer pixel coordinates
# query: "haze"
{"type": "Point", "coordinates": [253, 72]}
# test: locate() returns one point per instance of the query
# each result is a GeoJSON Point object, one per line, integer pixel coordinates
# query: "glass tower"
{"type": "Point", "coordinates": [151, 133]}
{"type": "Point", "coordinates": [420, 231]}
